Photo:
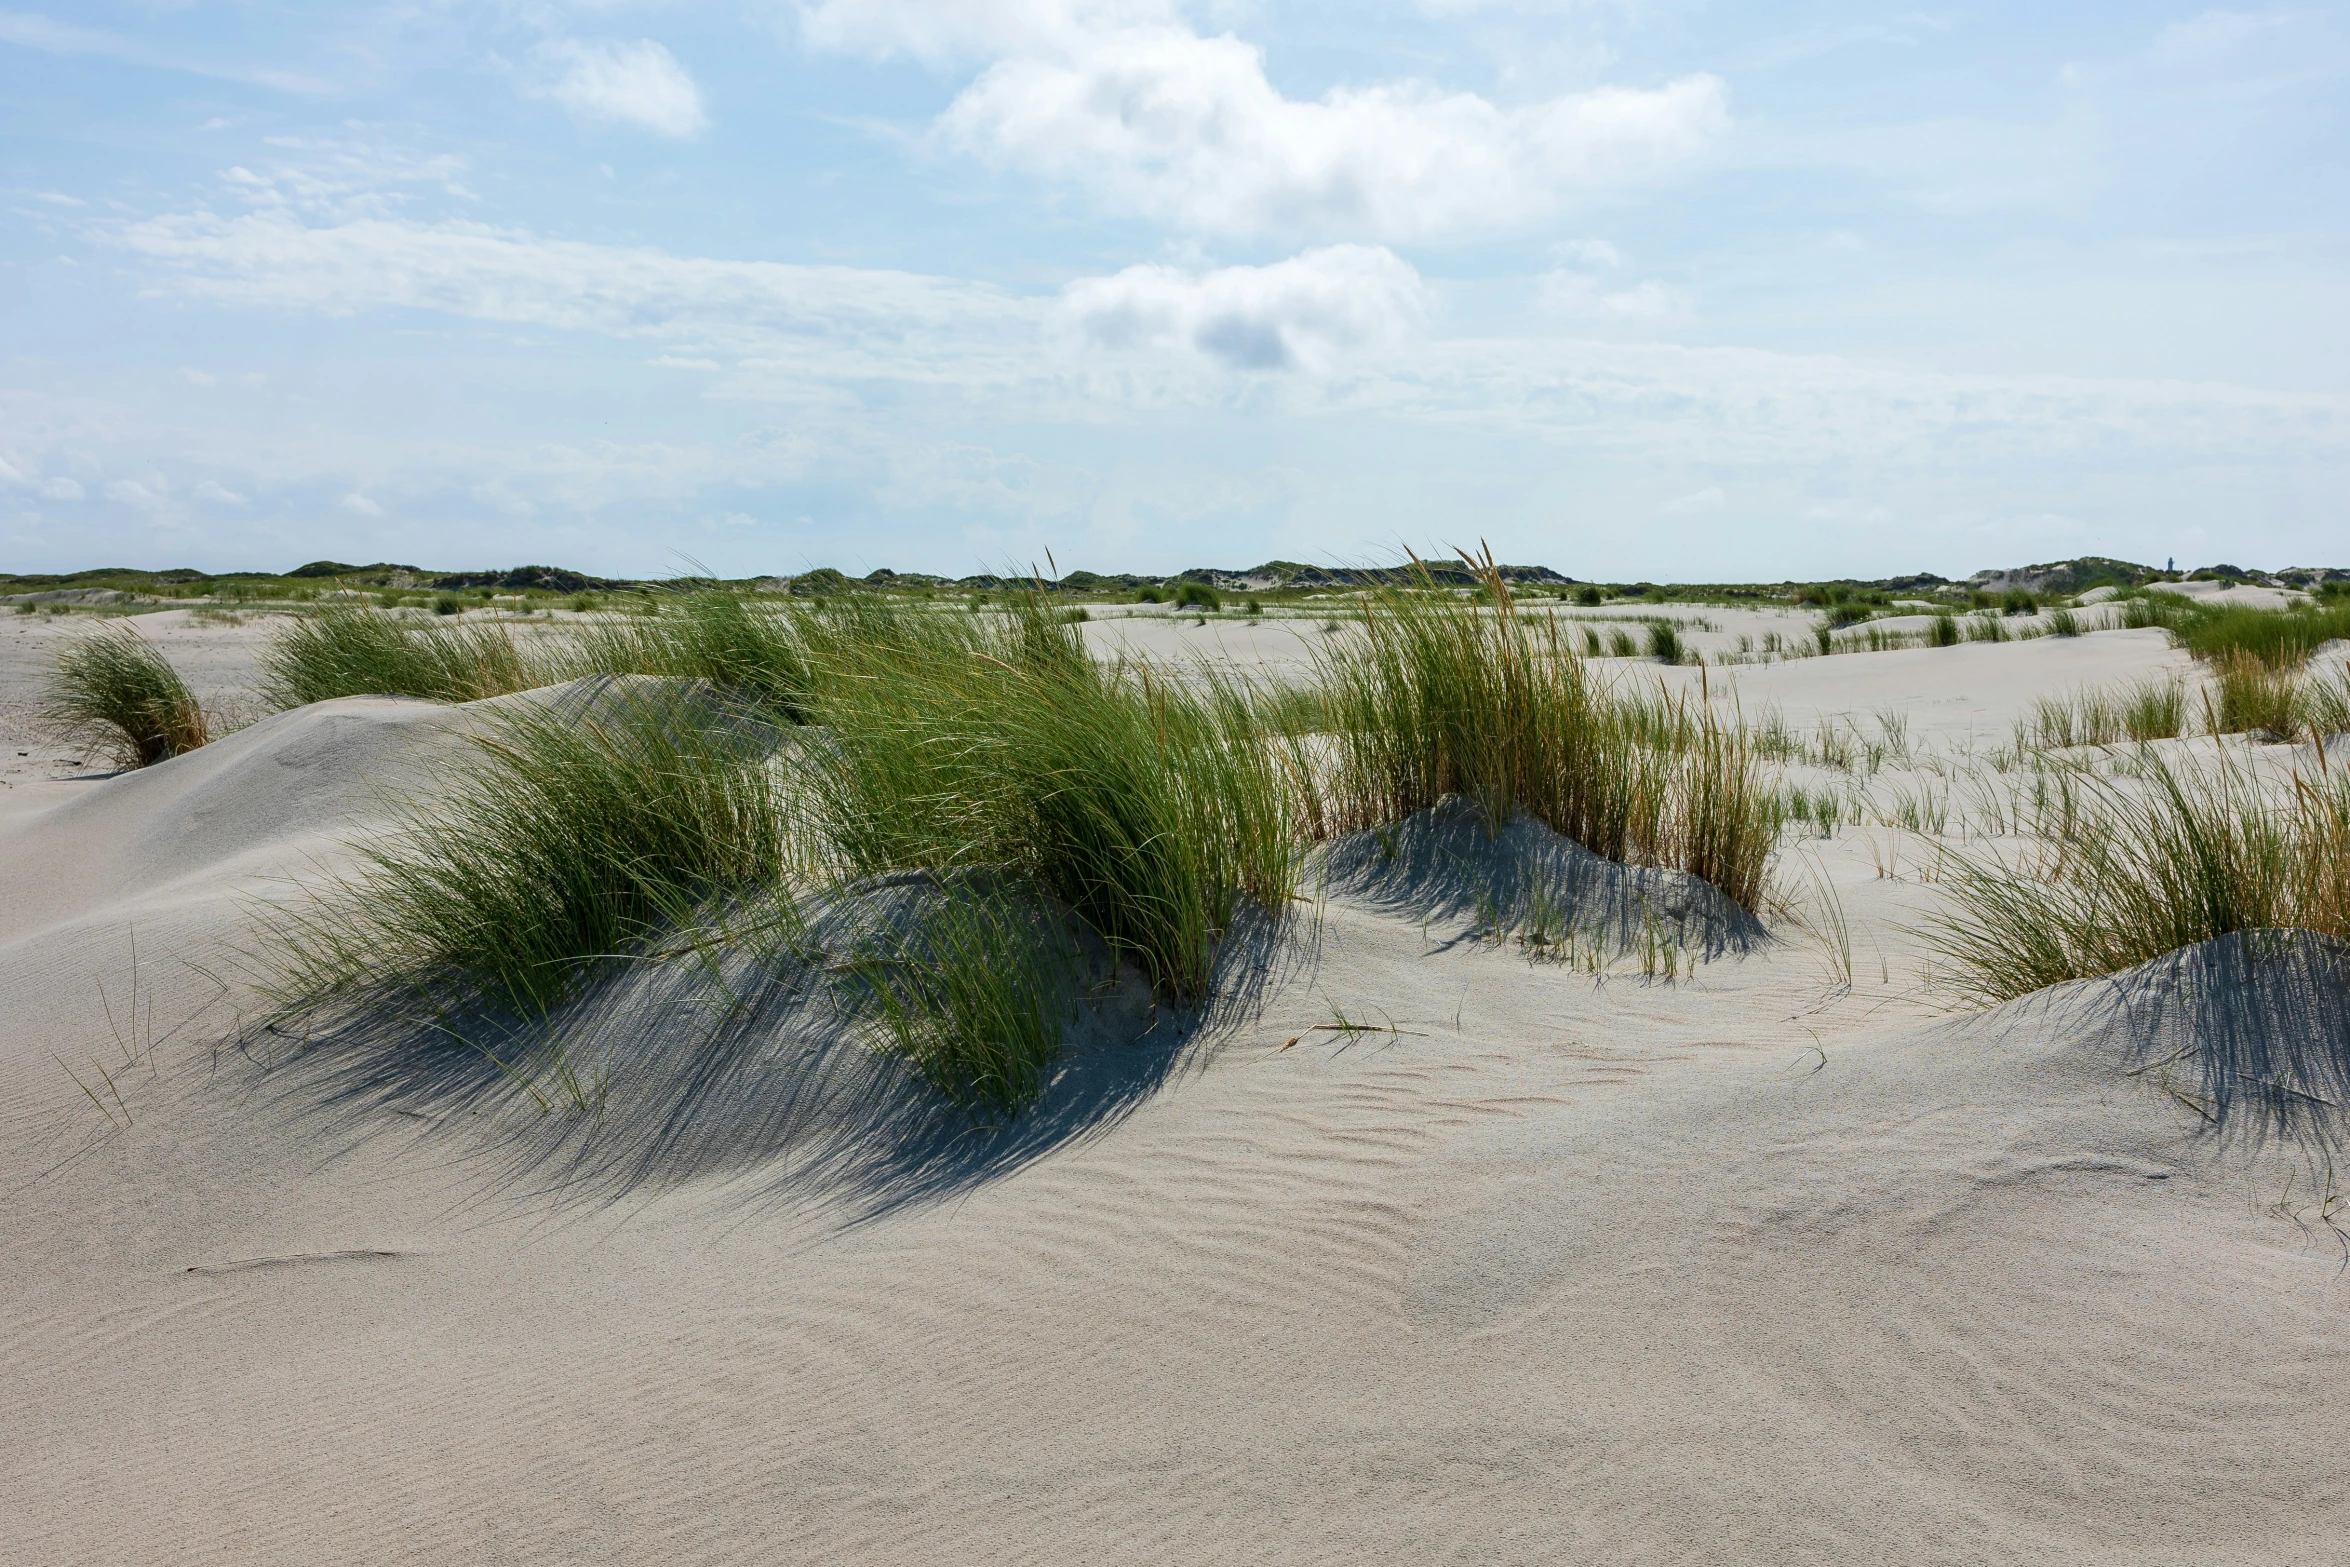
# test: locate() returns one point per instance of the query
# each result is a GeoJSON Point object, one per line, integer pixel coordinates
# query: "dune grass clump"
{"type": "Point", "coordinates": [115, 693]}
{"type": "Point", "coordinates": [1436, 700]}
{"type": "Point", "coordinates": [2154, 710]}
{"type": "Point", "coordinates": [565, 841]}
{"type": "Point", "coordinates": [2146, 710]}
{"type": "Point", "coordinates": [1942, 630]}
{"type": "Point", "coordinates": [1152, 807]}
{"type": "Point", "coordinates": [2277, 638]}
{"type": "Point", "coordinates": [748, 651]}
{"type": "Point", "coordinates": [1664, 642]}
{"type": "Point", "coordinates": [2325, 703]}
{"type": "Point", "coordinates": [346, 651]}
{"type": "Point", "coordinates": [2127, 874]}
{"type": "Point", "coordinates": [2248, 693]}
{"type": "Point", "coordinates": [972, 996]}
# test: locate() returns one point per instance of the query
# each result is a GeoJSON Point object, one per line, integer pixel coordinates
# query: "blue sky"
{"type": "Point", "coordinates": [1634, 288]}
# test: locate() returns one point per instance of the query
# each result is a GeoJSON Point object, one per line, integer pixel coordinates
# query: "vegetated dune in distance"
{"type": "Point", "coordinates": [1429, 1245]}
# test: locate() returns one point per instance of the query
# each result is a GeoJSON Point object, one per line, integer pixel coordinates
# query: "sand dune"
{"type": "Point", "coordinates": [1419, 1250]}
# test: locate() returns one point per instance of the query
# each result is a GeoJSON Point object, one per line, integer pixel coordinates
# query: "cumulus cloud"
{"type": "Point", "coordinates": [60, 490]}
{"type": "Point", "coordinates": [1187, 129]}
{"type": "Point", "coordinates": [356, 502]}
{"type": "Point", "coordinates": [1127, 101]}
{"type": "Point", "coordinates": [1301, 313]}
{"type": "Point", "coordinates": [637, 84]}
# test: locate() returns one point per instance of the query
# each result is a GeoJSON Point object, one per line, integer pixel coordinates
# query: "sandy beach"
{"type": "Point", "coordinates": [1422, 1249]}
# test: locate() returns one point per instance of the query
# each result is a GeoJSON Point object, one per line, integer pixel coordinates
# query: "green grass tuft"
{"type": "Point", "coordinates": [564, 841]}
{"type": "Point", "coordinates": [973, 996]}
{"type": "Point", "coordinates": [1150, 805]}
{"type": "Point", "coordinates": [113, 692]}
{"type": "Point", "coordinates": [2248, 693]}
{"type": "Point", "coordinates": [2278, 638]}
{"type": "Point", "coordinates": [750, 652]}
{"type": "Point", "coordinates": [2129, 873]}
{"type": "Point", "coordinates": [1438, 699]}
{"type": "Point", "coordinates": [343, 651]}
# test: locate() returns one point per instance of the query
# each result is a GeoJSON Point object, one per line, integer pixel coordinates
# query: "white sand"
{"type": "Point", "coordinates": [1737, 1269]}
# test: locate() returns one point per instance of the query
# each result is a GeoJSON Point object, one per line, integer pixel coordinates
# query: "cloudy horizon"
{"type": "Point", "coordinates": [1630, 288]}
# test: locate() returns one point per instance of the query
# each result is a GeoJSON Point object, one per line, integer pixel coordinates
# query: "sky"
{"type": "Point", "coordinates": [1637, 289]}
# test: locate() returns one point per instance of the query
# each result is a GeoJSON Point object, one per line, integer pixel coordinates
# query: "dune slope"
{"type": "Point", "coordinates": [1430, 1252]}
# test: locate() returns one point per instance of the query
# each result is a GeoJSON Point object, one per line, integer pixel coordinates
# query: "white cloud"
{"type": "Point", "coordinates": [60, 490]}
{"type": "Point", "coordinates": [1299, 313]}
{"type": "Point", "coordinates": [1589, 252]}
{"type": "Point", "coordinates": [356, 502]}
{"type": "Point", "coordinates": [38, 32]}
{"type": "Point", "coordinates": [1709, 499]}
{"type": "Point", "coordinates": [213, 490]}
{"type": "Point", "coordinates": [895, 323]}
{"type": "Point", "coordinates": [1187, 129]}
{"type": "Point", "coordinates": [945, 31]}
{"type": "Point", "coordinates": [868, 361]}
{"type": "Point", "coordinates": [59, 199]}
{"type": "Point", "coordinates": [639, 84]}
{"type": "Point", "coordinates": [329, 178]}
{"type": "Point", "coordinates": [1578, 296]}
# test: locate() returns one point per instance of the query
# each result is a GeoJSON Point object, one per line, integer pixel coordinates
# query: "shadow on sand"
{"type": "Point", "coordinates": [1443, 864]}
{"type": "Point", "coordinates": [755, 1069]}
{"type": "Point", "coordinates": [2252, 1029]}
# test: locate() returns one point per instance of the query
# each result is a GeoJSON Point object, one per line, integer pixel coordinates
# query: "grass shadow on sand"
{"type": "Point", "coordinates": [755, 1074]}
{"type": "Point", "coordinates": [1442, 864]}
{"type": "Point", "coordinates": [2250, 1030]}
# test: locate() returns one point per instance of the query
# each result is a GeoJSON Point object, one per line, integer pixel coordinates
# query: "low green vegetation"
{"type": "Point", "coordinates": [2145, 710]}
{"type": "Point", "coordinates": [2129, 870]}
{"type": "Point", "coordinates": [113, 692]}
{"type": "Point", "coordinates": [564, 843]}
{"type": "Point", "coordinates": [972, 996]}
{"type": "Point", "coordinates": [1151, 807]}
{"type": "Point", "coordinates": [2278, 638]}
{"type": "Point", "coordinates": [745, 649]}
{"type": "Point", "coordinates": [2248, 694]}
{"type": "Point", "coordinates": [347, 651]}
{"type": "Point", "coordinates": [1432, 702]}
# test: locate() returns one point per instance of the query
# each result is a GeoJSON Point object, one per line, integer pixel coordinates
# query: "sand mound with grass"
{"type": "Point", "coordinates": [1448, 863]}
{"type": "Point", "coordinates": [1413, 1245]}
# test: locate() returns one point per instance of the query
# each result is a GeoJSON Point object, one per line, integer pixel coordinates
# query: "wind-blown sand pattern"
{"type": "Point", "coordinates": [1419, 1249]}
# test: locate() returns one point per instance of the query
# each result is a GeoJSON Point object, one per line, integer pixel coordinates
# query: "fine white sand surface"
{"type": "Point", "coordinates": [1414, 1248]}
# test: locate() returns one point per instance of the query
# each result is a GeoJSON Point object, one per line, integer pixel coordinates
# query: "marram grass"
{"type": "Point", "coordinates": [347, 651]}
{"type": "Point", "coordinates": [973, 995]}
{"type": "Point", "coordinates": [2125, 873]}
{"type": "Point", "coordinates": [564, 842]}
{"type": "Point", "coordinates": [1437, 698]}
{"type": "Point", "coordinates": [1152, 806]}
{"type": "Point", "coordinates": [747, 650]}
{"type": "Point", "coordinates": [115, 693]}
